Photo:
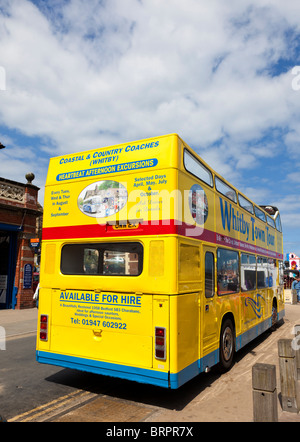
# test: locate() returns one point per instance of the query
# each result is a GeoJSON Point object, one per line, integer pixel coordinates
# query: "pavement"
{"type": "Point", "coordinates": [19, 322]}
{"type": "Point", "coordinates": [209, 397]}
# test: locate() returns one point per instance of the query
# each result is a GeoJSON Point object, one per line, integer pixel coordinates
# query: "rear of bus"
{"type": "Point", "coordinates": [108, 283]}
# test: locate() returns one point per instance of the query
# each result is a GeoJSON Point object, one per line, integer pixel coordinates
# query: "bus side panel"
{"type": "Point", "coordinates": [197, 210]}
{"type": "Point", "coordinates": [184, 344]}
{"type": "Point", "coordinates": [280, 302]}
{"type": "Point", "coordinates": [254, 314]}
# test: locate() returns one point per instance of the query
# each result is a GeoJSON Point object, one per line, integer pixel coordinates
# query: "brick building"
{"type": "Point", "coordinates": [19, 215]}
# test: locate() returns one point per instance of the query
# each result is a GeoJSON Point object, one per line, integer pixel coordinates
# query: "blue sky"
{"type": "Point", "coordinates": [80, 75]}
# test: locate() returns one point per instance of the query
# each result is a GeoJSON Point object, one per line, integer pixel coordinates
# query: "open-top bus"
{"type": "Point", "coordinates": [171, 272]}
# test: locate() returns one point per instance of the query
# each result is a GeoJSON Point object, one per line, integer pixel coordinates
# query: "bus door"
{"type": "Point", "coordinates": [210, 337]}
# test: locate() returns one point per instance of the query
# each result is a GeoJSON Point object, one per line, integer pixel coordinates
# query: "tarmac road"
{"type": "Point", "coordinates": [35, 392]}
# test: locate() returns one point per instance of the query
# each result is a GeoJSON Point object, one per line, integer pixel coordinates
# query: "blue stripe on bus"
{"type": "Point", "coordinates": [211, 359]}
{"type": "Point", "coordinates": [152, 377]}
{"type": "Point", "coordinates": [105, 368]}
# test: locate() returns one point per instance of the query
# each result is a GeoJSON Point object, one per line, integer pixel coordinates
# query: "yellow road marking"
{"type": "Point", "coordinates": [50, 406]}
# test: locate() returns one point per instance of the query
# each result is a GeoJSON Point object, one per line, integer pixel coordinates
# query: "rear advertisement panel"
{"type": "Point", "coordinates": [111, 184]}
{"type": "Point", "coordinates": [91, 324]}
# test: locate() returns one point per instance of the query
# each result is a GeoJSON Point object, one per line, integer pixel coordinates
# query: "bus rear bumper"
{"type": "Point", "coordinates": [142, 375]}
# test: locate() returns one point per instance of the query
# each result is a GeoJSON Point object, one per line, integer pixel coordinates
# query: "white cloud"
{"type": "Point", "coordinates": [289, 203]}
{"type": "Point", "coordinates": [121, 70]}
{"type": "Point", "coordinates": [89, 75]}
{"type": "Point", "coordinates": [291, 220]}
{"type": "Point", "coordinates": [294, 177]}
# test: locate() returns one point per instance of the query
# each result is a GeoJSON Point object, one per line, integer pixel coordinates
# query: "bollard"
{"type": "Point", "coordinates": [288, 375]}
{"type": "Point", "coordinates": [294, 297]}
{"type": "Point", "coordinates": [264, 393]}
{"type": "Point", "coordinates": [296, 347]}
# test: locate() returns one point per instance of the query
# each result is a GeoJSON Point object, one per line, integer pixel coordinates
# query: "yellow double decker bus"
{"type": "Point", "coordinates": [154, 268]}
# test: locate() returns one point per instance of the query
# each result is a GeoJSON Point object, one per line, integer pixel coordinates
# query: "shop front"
{"type": "Point", "coordinates": [19, 212]}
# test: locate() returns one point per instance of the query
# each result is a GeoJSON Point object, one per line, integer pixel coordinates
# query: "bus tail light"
{"type": "Point", "coordinates": [44, 328]}
{"type": "Point", "coordinates": [160, 343]}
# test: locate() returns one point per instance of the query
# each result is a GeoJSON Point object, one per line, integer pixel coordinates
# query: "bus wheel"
{"type": "Point", "coordinates": [274, 314]}
{"type": "Point", "coordinates": [226, 345]}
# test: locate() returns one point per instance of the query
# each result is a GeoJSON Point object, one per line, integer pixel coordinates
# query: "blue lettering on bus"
{"type": "Point", "coordinates": [104, 298]}
{"type": "Point", "coordinates": [270, 238]}
{"type": "Point", "coordinates": [77, 296]}
{"type": "Point", "coordinates": [134, 165]}
{"type": "Point", "coordinates": [233, 219]}
{"type": "Point", "coordinates": [257, 233]}
{"type": "Point", "coordinates": [130, 148]}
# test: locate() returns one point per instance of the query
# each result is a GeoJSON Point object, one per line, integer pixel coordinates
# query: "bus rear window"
{"type": "Point", "coordinates": [104, 259]}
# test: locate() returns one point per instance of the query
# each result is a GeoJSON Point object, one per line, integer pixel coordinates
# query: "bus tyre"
{"type": "Point", "coordinates": [274, 315]}
{"type": "Point", "coordinates": [227, 346]}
